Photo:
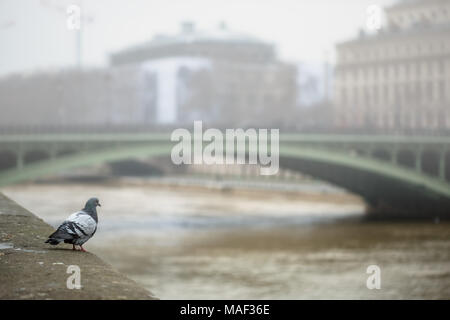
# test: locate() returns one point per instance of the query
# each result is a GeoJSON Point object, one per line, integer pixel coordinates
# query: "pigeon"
{"type": "Point", "coordinates": [78, 228]}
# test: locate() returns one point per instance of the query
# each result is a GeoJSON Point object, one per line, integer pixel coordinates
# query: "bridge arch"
{"type": "Point", "coordinates": [385, 186]}
{"type": "Point", "coordinates": [382, 184]}
{"type": "Point", "coordinates": [68, 160]}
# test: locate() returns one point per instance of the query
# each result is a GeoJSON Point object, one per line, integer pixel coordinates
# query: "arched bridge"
{"type": "Point", "coordinates": [396, 175]}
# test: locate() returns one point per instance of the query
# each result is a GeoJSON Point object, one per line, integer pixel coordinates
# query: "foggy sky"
{"type": "Point", "coordinates": [34, 36]}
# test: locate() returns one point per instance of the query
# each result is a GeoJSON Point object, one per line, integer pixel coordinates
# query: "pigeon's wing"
{"type": "Point", "coordinates": [76, 229]}
{"type": "Point", "coordinates": [65, 232]}
{"type": "Point", "coordinates": [82, 224]}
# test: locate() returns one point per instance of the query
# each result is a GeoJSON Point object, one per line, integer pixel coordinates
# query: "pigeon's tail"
{"type": "Point", "coordinates": [58, 236]}
{"type": "Point", "coordinates": [52, 241]}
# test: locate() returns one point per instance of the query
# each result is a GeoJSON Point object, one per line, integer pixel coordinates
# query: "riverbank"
{"type": "Point", "coordinates": [31, 269]}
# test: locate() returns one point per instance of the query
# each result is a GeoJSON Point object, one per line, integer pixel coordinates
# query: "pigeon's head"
{"type": "Point", "coordinates": [92, 203]}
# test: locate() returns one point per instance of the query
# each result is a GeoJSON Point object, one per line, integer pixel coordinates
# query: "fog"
{"type": "Point", "coordinates": [40, 27]}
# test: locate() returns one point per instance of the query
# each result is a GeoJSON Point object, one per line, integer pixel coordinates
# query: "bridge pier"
{"type": "Point", "coordinates": [442, 166]}
{"type": "Point", "coordinates": [418, 161]}
{"type": "Point", "coordinates": [394, 156]}
{"type": "Point", "coordinates": [19, 161]}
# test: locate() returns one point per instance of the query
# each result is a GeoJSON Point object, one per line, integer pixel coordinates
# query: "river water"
{"type": "Point", "coordinates": [193, 243]}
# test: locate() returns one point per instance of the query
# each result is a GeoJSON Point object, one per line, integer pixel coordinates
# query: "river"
{"type": "Point", "coordinates": [194, 243]}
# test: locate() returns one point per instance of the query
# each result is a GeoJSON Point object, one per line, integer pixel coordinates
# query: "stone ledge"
{"type": "Point", "coordinates": [31, 269]}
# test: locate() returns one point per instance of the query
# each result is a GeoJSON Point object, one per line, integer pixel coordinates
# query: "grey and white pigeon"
{"type": "Point", "coordinates": [79, 227]}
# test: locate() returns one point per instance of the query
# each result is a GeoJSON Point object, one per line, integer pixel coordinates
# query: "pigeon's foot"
{"type": "Point", "coordinates": [82, 249]}
{"type": "Point", "coordinates": [73, 248]}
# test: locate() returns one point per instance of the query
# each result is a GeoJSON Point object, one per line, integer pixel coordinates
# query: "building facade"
{"type": "Point", "coordinates": [220, 76]}
{"type": "Point", "coordinates": [65, 98]}
{"type": "Point", "coordinates": [399, 78]}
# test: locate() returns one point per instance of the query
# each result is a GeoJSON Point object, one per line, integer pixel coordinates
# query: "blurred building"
{"type": "Point", "coordinates": [219, 44]}
{"type": "Point", "coordinates": [218, 76]}
{"type": "Point", "coordinates": [399, 78]}
{"type": "Point", "coordinates": [67, 98]}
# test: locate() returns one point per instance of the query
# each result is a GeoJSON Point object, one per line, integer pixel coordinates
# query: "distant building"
{"type": "Point", "coordinates": [220, 44]}
{"type": "Point", "coordinates": [399, 78]}
{"type": "Point", "coordinates": [111, 96]}
{"type": "Point", "coordinates": [218, 76]}
{"type": "Point", "coordinates": [221, 77]}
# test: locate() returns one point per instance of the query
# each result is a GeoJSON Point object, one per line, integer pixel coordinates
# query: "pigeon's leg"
{"type": "Point", "coordinates": [73, 247]}
{"type": "Point", "coordinates": [82, 249]}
